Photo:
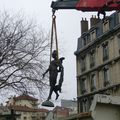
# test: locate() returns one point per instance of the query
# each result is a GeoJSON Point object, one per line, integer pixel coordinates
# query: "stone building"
{"type": "Point", "coordinates": [72, 104]}
{"type": "Point", "coordinates": [58, 113]}
{"type": "Point", "coordinates": [27, 107]}
{"type": "Point", "coordinates": [98, 67]}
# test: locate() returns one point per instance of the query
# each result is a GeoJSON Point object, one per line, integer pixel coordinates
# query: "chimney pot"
{"type": "Point", "coordinates": [94, 21]}
{"type": "Point", "coordinates": [84, 25]}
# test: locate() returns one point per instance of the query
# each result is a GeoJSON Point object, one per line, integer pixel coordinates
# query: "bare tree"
{"type": "Point", "coordinates": [23, 49]}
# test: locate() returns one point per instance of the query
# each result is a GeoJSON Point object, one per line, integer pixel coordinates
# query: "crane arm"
{"type": "Point", "coordinates": [86, 5]}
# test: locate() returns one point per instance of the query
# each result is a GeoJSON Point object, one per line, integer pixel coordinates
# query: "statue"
{"type": "Point", "coordinates": [55, 67]}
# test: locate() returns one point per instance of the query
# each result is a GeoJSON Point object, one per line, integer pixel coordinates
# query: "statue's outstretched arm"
{"type": "Point", "coordinates": [45, 72]}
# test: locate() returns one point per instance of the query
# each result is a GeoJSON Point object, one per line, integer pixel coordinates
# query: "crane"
{"type": "Point", "coordinates": [87, 5]}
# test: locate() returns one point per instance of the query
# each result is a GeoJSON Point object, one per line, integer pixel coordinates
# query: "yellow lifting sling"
{"type": "Point", "coordinates": [54, 31]}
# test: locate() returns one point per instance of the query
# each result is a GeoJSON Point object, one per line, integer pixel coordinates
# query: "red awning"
{"type": "Point", "coordinates": [96, 5]}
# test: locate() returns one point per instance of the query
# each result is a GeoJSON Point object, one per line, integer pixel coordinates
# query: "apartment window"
{"type": "Point", "coordinates": [105, 25]}
{"type": "Point", "coordinates": [105, 52]}
{"type": "Point", "coordinates": [83, 64]}
{"type": "Point", "coordinates": [83, 85]}
{"type": "Point", "coordinates": [118, 38]}
{"type": "Point", "coordinates": [93, 82]}
{"type": "Point", "coordinates": [25, 118]}
{"type": "Point", "coordinates": [106, 73]}
{"type": "Point", "coordinates": [92, 59]}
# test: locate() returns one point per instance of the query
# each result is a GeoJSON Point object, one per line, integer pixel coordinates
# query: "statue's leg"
{"type": "Point", "coordinates": [56, 91]}
{"type": "Point", "coordinates": [52, 85]}
{"type": "Point", "coordinates": [50, 93]}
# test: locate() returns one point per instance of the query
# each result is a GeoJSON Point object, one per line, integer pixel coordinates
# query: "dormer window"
{"type": "Point", "coordinates": [84, 41]}
{"type": "Point", "coordinates": [93, 35]}
{"type": "Point", "coordinates": [106, 25]}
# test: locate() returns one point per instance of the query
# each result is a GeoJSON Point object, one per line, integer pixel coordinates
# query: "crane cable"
{"type": "Point", "coordinates": [54, 30]}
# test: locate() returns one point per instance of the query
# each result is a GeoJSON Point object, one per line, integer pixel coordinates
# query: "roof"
{"type": "Point", "coordinates": [100, 34]}
{"type": "Point", "coordinates": [27, 109]}
{"type": "Point", "coordinates": [3, 109]}
{"type": "Point", "coordinates": [25, 97]}
{"type": "Point", "coordinates": [61, 108]}
{"type": "Point", "coordinates": [42, 110]}
{"type": "Point", "coordinates": [78, 116]}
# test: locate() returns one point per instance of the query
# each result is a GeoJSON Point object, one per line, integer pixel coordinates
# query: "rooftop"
{"type": "Point", "coordinates": [27, 109]}
{"type": "Point", "coordinates": [25, 97]}
{"type": "Point", "coordinates": [86, 40]}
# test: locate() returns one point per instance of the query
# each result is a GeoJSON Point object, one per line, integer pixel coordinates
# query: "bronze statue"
{"type": "Point", "coordinates": [55, 67]}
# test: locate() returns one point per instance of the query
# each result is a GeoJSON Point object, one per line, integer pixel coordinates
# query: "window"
{"type": "Point", "coordinates": [93, 82]}
{"type": "Point", "coordinates": [118, 42]}
{"type": "Point", "coordinates": [84, 41]}
{"type": "Point", "coordinates": [106, 25]}
{"type": "Point", "coordinates": [88, 38]}
{"type": "Point", "coordinates": [83, 64]}
{"type": "Point", "coordinates": [106, 76]}
{"type": "Point", "coordinates": [92, 59]}
{"type": "Point", "coordinates": [105, 52]}
{"type": "Point", "coordinates": [93, 35]}
{"type": "Point", "coordinates": [85, 105]}
{"type": "Point", "coordinates": [83, 85]}
{"type": "Point", "coordinates": [25, 118]}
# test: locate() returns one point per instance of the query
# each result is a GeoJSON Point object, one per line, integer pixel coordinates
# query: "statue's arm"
{"type": "Point", "coordinates": [45, 72]}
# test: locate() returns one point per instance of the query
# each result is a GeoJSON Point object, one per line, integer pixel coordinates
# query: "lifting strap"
{"type": "Point", "coordinates": [53, 30]}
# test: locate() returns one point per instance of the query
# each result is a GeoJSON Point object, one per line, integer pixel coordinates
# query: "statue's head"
{"type": "Point", "coordinates": [54, 54]}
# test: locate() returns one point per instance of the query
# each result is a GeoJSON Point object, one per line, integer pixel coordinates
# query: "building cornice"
{"type": "Point", "coordinates": [98, 91]}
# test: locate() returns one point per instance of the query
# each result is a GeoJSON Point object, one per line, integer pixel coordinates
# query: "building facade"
{"type": "Point", "coordinates": [27, 107]}
{"type": "Point", "coordinates": [58, 113]}
{"type": "Point", "coordinates": [72, 104]}
{"type": "Point", "coordinates": [98, 60]}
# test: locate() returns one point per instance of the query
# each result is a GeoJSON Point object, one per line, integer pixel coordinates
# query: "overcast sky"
{"type": "Point", "coordinates": [68, 27]}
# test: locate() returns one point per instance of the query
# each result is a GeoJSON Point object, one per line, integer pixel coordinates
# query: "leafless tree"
{"type": "Point", "coordinates": [23, 49]}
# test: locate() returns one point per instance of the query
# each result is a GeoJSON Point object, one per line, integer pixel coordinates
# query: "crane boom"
{"type": "Point", "coordinates": [86, 5]}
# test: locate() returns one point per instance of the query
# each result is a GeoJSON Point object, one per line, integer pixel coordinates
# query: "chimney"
{"type": "Point", "coordinates": [84, 25]}
{"type": "Point", "coordinates": [94, 21]}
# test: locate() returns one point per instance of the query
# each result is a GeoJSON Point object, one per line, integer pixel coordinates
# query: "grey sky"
{"type": "Point", "coordinates": [68, 26]}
